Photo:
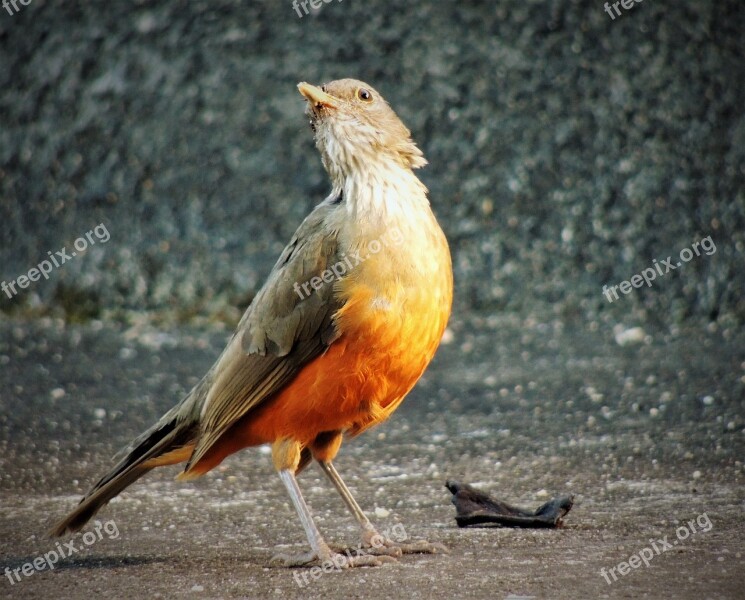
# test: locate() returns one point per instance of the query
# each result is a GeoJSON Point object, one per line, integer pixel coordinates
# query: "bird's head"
{"type": "Point", "coordinates": [356, 129]}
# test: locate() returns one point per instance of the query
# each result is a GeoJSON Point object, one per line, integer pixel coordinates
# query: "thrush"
{"type": "Point", "coordinates": [305, 370]}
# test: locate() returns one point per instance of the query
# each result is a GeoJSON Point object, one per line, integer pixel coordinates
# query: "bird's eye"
{"type": "Point", "coordinates": [364, 95]}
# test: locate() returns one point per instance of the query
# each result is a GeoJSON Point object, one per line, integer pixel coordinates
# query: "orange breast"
{"type": "Point", "coordinates": [390, 333]}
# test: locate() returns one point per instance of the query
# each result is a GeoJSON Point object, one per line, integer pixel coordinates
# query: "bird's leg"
{"type": "Point", "coordinates": [286, 455]}
{"type": "Point", "coordinates": [320, 551]}
{"type": "Point", "coordinates": [372, 541]}
{"type": "Point", "coordinates": [319, 548]}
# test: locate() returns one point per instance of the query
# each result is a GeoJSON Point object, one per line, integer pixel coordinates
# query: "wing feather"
{"type": "Point", "coordinates": [279, 333]}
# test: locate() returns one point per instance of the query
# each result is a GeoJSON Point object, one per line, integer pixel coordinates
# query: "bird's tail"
{"type": "Point", "coordinates": [169, 441]}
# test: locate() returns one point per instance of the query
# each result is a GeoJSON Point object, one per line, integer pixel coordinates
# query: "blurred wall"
{"type": "Point", "coordinates": [567, 150]}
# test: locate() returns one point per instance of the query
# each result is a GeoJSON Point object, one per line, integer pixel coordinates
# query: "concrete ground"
{"type": "Point", "coordinates": [648, 435]}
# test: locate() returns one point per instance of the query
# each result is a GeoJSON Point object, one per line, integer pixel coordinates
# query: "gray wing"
{"type": "Point", "coordinates": [279, 333]}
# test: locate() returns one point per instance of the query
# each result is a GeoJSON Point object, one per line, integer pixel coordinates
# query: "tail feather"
{"type": "Point", "coordinates": [165, 436]}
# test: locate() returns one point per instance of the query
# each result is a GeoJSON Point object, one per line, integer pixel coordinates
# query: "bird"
{"type": "Point", "coordinates": [346, 323]}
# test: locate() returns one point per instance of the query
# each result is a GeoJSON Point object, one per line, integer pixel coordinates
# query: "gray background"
{"type": "Point", "coordinates": [567, 150]}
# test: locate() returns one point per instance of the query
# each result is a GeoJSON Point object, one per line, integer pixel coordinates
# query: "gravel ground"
{"type": "Point", "coordinates": [648, 435]}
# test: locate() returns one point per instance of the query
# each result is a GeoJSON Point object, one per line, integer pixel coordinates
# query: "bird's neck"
{"type": "Point", "coordinates": [382, 191]}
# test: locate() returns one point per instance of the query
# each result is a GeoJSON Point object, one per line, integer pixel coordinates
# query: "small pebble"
{"type": "Point", "coordinates": [127, 353]}
{"type": "Point", "coordinates": [633, 335]}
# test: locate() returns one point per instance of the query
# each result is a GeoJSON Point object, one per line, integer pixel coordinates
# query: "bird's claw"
{"type": "Point", "coordinates": [377, 544]}
{"type": "Point", "coordinates": [294, 560]}
{"type": "Point", "coordinates": [378, 549]}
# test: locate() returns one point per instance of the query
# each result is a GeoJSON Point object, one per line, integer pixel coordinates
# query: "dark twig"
{"type": "Point", "coordinates": [476, 508]}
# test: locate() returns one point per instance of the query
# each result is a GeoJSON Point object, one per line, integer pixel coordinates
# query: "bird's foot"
{"type": "Point", "coordinates": [331, 560]}
{"type": "Point", "coordinates": [377, 544]}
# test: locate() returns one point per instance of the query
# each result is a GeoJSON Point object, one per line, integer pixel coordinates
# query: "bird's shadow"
{"type": "Point", "coordinates": [86, 562]}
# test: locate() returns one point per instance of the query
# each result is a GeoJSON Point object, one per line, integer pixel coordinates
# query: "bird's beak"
{"type": "Point", "coordinates": [316, 96]}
